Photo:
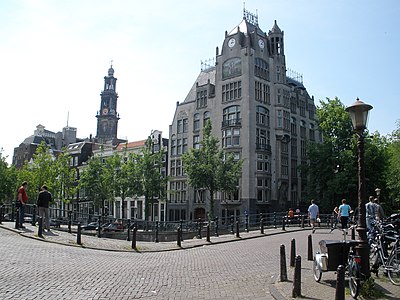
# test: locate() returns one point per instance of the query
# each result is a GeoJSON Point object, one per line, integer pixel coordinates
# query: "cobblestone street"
{"type": "Point", "coordinates": [246, 269]}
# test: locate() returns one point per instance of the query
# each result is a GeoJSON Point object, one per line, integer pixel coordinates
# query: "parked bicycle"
{"type": "Point", "coordinates": [384, 243]}
{"type": "Point", "coordinates": [334, 253]}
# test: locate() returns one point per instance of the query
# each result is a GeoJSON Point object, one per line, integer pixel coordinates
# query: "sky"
{"type": "Point", "coordinates": [55, 55]}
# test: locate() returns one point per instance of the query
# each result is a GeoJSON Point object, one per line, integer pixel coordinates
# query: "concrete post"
{"type": "Point", "coordinates": [292, 252]}
{"type": "Point", "coordinates": [79, 235]}
{"type": "Point", "coordinates": [297, 278]}
{"type": "Point", "coordinates": [283, 263]}
{"type": "Point", "coordinates": [310, 248]}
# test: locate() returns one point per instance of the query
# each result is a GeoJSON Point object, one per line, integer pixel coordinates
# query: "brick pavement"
{"type": "Point", "coordinates": [231, 271]}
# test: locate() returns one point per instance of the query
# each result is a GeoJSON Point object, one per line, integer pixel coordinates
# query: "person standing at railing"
{"type": "Point", "coordinates": [22, 199]}
{"type": "Point", "coordinates": [344, 213]}
{"type": "Point", "coordinates": [313, 214]}
{"type": "Point", "coordinates": [43, 202]}
{"type": "Point", "coordinates": [370, 213]}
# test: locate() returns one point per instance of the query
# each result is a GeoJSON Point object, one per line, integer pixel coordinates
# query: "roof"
{"type": "Point", "coordinates": [131, 145]}
{"type": "Point", "coordinates": [202, 79]}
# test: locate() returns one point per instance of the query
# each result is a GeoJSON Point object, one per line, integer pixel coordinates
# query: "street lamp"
{"type": "Point", "coordinates": [378, 192]}
{"type": "Point", "coordinates": [359, 115]}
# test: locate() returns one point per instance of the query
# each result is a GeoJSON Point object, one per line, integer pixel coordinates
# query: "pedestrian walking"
{"type": "Point", "coordinates": [380, 213]}
{"type": "Point", "coordinates": [344, 213]}
{"type": "Point", "coordinates": [313, 214]}
{"type": "Point", "coordinates": [43, 202]}
{"type": "Point", "coordinates": [370, 213]}
{"type": "Point", "coordinates": [22, 199]}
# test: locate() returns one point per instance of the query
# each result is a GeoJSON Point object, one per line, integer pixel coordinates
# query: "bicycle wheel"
{"type": "Point", "coordinates": [374, 258]}
{"type": "Point", "coordinates": [354, 278]}
{"type": "Point", "coordinates": [317, 270]}
{"type": "Point", "coordinates": [393, 268]}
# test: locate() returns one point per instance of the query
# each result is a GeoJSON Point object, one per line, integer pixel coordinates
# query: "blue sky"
{"type": "Point", "coordinates": [56, 53]}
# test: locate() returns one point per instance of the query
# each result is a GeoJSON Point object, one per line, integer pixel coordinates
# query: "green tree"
{"type": "Point", "coordinates": [96, 179]}
{"type": "Point", "coordinates": [125, 178]}
{"type": "Point", "coordinates": [210, 168]}
{"type": "Point", "coordinates": [152, 181]}
{"type": "Point", "coordinates": [393, 173]}
{"type": "Point", "coordinates": [8, 180]}
{"type": "Point", "coordinates": [64, 187]}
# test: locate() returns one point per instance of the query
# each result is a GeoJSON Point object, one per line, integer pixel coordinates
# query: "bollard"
{"type": "Point", "coordinates": [199, 229]}
{"type": "Point", "coordinates": [69, 221]}
{"type": "Point", "coordinates": [283, 263]}
{"type": "Point", "coordinates": [79, 234]}
{"type": "Point", "coordinates": [40, 229]}
{"type": "Point", "coordinates": [216, 226]}
{"type": "Point", "coordinates": [302, 221]}
{"type": "Point", "coordinates": [247, 222]}
{"type": "Point", "coordinates": [292, 252]}
{"type": "Point", "coordinates": [99, 229]}
{"type": "Point", "coordinates": [237, 229]}
{"type": "Point", "coordinates": [178, 238]}
{"type": "Point", "coordinates": [232, 221]}
{"type": "Point", "coordinates": [353, 233]}
{"type": "Point", "coordinates": [262, 226]}
{"type": "Point", "coordinates": [134, 237]}
{"type": "Point", "coordinates": [340, 289]}
{"type": "Point", "coordinates": [156, 238]}
{"type": "Point", "coordinates": [13, 211]}
{"type": "Point", "coordinates": [275, 220]}
{"type": "Point", "coordinates": [208, 233]}
{"type": "Point", "coordinates": [310, 251]}
{"type": "Point", "coordinates": [1, 214]}
{"type": "Point", "coordinates": [181, 225]}
{"type": "Point", "coordinates": [17, 218]}
{"type": "Point", "coordinates": [296, 292]}
{"type": "Point", "coordinates": [33, 223]}
{"type": "Point", "coordinates": [283, 223]}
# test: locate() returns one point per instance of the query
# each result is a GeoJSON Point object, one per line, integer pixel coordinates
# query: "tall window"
{"type": "Point", "coordinates": [262, 116]}
{"type": "Point", "coordinates": [185, 125]}
{"type": "Point", "coordinates": [284, 166]}
{"type": "Point", "coordinates": [196, 122]}
{"type": "Point", "coordinates": [312, 132]}
{"type": "Point", "coordinates": [231, 115]}
{"type": "Point", "coordinates": [263, 189]}
{"type": "Point", "coordinates": [303, 129]}
{"type": "Point", "coordinates": [261, 69]}
{"type": "Point", "coordinates": [184, 145]}
{"type": "Point", "coordinates": [293, 144]}
{"type": "Point", "coordinates": [196, 142]}
{"type": "Point", "coordinates": [201, 99]}
{"type": "Point", "coordinates": [293, 126]}
{"type": "Point", "coordinates": [179, 146]}
{"type": "Point", "coordinates": [179, 128]}
{"type": "Point", "coordinates": [230, 137]}
{"type": "Point", "coordinates": [173, 145]}
{"type": "Point", "coordinates": [206, 117]}
{"type": "Point", "coordinates": [262, 92]}
{"type": "Point", "coordinates": [261, 138]}
{"type": "Point", "coordinates": [232, 91]}
{"type": "Point", "coordinates": [279, 119]}
{"type": "Point", "coordinates": [286, 120]}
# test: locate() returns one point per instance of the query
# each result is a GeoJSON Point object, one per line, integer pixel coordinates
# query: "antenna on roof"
{"type": "Point", "coordinates": [67, 118]}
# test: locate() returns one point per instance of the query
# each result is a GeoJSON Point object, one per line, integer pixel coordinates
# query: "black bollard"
{"type": "Point", "coordinates": [283, 223]}
{"type": "Point", "coordinates": [353, 232]}
{"type": "Point", "coordinates": [17, 218]}
{"type": "Point", "coordinates": [283, 263]}
{"type": "Point", "coordinates": [262, 226]}
{"type": "Point", "coordinates": [156, 238]}
{"type": "Point", "coordinates": [297, 278]}
{"type": "Point", "coordinates": [69, 221]}
{"type": "Point", "coordinates": [216, 226]}
{"type": "Point", "coordinates": [134, 237]}
{"type": "Point", "coordinates": [247, 222]}
{"type": "Point", "coordinates": [13, 211]}
{"type": "Point", "coordinates": [292, 252]}
{"type": "Point", "coordinates": [40, 229]}
{"type": "Point", "coordinates": [340, 289]}
{"type": "Point", "coordinates": [275, 220]}
{"type": "Point", "coordinates": [199, 229]}
{"type": "Point", "coordinates": [99, 229]}
{"type": "Point", "coordinates": [1, 214]}
{"type": "Point", "coordinates": [128, 233]}
{"type": "Point", "coordinates": [181, 225]}
{"type": "Point", "coordinates": [33, 223]}
{"type": "Point", "coordinates": [178, 238]}
{"type": "Point", "coordinates": [302, 221]}
{"type": "Point", "coordinates": [208, 233]}
{"type": "Point", "coordinates": [232, 221]}
{"type": "Point", "coordinates": [79, 234]}
{"type": "Point", "coordinates": [237, 229]}
{"type": "Point", "coordinates": [310, 251]}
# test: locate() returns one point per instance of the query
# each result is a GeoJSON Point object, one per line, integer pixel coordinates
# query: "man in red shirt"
{"type": "Point", "coordinates": [23, 199]}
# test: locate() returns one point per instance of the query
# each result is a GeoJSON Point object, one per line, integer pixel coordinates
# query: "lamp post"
{"type": "Point", "coordinates": [359, 115]}
{"type": "Point", "coordinates": [378, 192]}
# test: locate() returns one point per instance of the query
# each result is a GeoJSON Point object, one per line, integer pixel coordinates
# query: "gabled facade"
{"type": "Point", "coordinates": [258, 113]}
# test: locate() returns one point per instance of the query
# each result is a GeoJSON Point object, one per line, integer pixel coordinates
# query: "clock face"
{"type": "Point", "coordinates": [105, 111]}
{"type": "Point", "coordinates": [231, 42]}
{"type": "Point", "coordinates": [261, 44]}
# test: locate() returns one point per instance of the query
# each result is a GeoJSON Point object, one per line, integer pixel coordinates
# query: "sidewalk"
{"type": "Point", "coordinates": [279, 290]}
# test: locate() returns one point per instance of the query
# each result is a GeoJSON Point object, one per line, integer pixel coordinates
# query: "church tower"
{"type": "Point", "coordinates": [107, 117]}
